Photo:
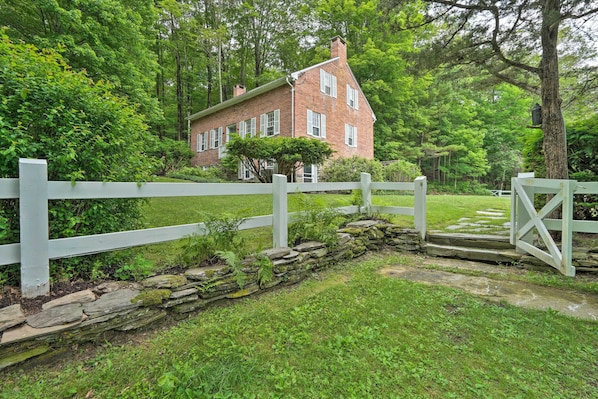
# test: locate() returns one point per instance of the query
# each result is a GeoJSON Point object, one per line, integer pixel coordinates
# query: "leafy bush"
{"type": "Point", "coordinates": [170, 155]}
{"type": "Point", "coordinates": [350, 169]}
{"type": "Point", "coordinates": [199, 175]}
{"type": "Point", "coordinates": [315, 222]}
{"type": "Point", "coordinates": [472, 187]}
{"type": "Point", "coordinates": [401, 171]}
{"type": "Point", "coordinates": [49, 112]}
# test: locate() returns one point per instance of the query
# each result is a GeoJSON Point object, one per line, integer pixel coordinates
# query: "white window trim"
{"type": "Point", "coordinates": [327, 79]}
{"type": "Point", "coordinates": [350, 135]}
{"type": "Point", "coordinates": [202, 142]}
{"type": "Point", "coordinates": [310, 125]}
{"type": "Point", "coordinates": [352, 97]}
{"type": "Point", "coordinates": [275, 123]}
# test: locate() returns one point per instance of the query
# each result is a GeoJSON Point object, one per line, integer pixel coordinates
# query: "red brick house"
{"type": "Point", "coordinates": [323, 102]}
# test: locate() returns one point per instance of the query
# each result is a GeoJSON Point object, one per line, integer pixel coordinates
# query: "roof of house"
{"type": "Point", "coordinates": [288, 79]}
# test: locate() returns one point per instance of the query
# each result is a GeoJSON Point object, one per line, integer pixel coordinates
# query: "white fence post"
{"type": "Point", "coordinates": [366, 193]}
{"type": "Point", "coordinates": [33, 208]}
{"type": "Point", "coordinates": [568, 187]}
{"type": "Point", "coordinates": [280, 211]}
{"type": "Point", "coordinates": [419, 206]}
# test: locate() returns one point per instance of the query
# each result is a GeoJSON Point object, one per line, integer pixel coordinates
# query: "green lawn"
{"type": "Point", "coordinates": [348, 332]}
{"type": "Point", "coordinates": [442, 211]}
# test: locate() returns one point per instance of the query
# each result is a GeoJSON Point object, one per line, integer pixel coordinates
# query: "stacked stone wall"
{"type": "Point", "coordinates": [114, 307]}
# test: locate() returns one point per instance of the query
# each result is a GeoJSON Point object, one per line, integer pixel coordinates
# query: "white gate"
{"type": "Point", "coordinates": [525, 219]}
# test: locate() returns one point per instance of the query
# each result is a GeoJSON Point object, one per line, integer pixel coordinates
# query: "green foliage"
{"type": "Point", "coordinates": [315, 222]}
{"type": "Point", "coordinates": [135, 270]}
{"type": "Point", "coordinates": [350, 169]}
{"type": "Point", "coordinates": [85, 132]}
{"type": "Point", "coordinates": [199, 175]}
{"type": "Point", "coordinates": [467, 187]}
{"type": "Point", "coordinates": [170, 155]}
{"type": "Point", "coordinates": [288, 153]}
{"type": "Point", "coordinates": [265, 271]}
{"type": "Point", "coordinates": [401, 171]}
{"type": "Point", "coordinates": [233, 261]}
{"type": "Point", "coordinates": [221, 236]}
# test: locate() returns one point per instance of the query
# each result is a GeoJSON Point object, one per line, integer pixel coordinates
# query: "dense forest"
{"type": "Point", "coordinates": [447, 96]}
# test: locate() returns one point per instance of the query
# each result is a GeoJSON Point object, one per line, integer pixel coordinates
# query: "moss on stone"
{"type": "Point", "coordinates": [152, 297]}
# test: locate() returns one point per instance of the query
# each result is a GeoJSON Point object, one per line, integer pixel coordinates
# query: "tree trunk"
{"type": "Point", "coordinates": [553, 124]}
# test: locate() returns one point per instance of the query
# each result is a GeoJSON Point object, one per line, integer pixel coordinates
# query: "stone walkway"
{"type": "Point", "coordinates": [567, 302]}
{"type": "Point", "coordinates": [486, 221]}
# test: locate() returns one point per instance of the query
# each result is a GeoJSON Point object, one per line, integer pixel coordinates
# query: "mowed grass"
{"type": "Point", "coordinates": [348, 332]}
{"type": "Point", "coordinates": [442, 211]}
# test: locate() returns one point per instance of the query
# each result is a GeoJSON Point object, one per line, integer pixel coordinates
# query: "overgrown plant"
{"type": "Point", "coordinates": [315, 222]}
{"type": "Point", "coordinates": [233, 261]}
{"type": "Point", "coordinates": [221, 234]}
{"type": "Point", "coordinates": [265, 269]}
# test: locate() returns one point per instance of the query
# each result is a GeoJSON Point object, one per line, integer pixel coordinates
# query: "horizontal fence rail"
{"type": "Point", "coordinates": [34, 191]}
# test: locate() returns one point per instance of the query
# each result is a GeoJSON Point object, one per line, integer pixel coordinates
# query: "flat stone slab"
{"type": "Point", "coordinates": [77, 297]}
{"type": "Point", "coordinates": [165, 281]}
{"type": "Point", "coordinates": [277, 253]}
{"type": "Point", "coordinates": [207, 272]}
{"type": "Point", "coordinates": [26, 332]}
{"type": "Point", "coordinates": [309, 246]}
{"type": "Point", "coordinates": [490, 213]}
{"type": "Point", "coordinates": [55, 316]}
{"type": "Point", "coordinates": [111, 302]}
{"type": "Point", "coordinates": [11, 316]}
{"type": "Point", "coordinates": [576, 304]}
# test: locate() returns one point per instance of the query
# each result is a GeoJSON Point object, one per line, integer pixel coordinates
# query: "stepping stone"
{"type": "Point", "coordinates": [490, 213]}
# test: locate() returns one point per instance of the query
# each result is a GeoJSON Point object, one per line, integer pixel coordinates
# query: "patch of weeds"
{"type": "Point", "coordinates": [232, 260]}
{"type": "Point", "coordinates": [265, 269]}
{"type": "Point", "coordinates": [221, 234]}
{"type": "Point", "coordinates": [315, 222]}
{"type": "Point", "coordinates": [136, 270]}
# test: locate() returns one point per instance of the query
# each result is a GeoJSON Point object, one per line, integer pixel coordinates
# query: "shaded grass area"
{"type": "Point", "coordinates": [346, 333]}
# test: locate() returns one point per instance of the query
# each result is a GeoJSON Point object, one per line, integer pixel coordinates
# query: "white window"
{"type": "Point", "coordinates": [230, 129]}
{"type": "Point", "coordinates": [216, 138]}
{"type": "Point", "coordinates": [316, 124]}
{"type": "Point", "coordinates": [327, 83]}
{"type": "Point", "coordinates": [270, 123]}
{"type": "Point", "coordinates": [247, 128]}
{"type": "Point", "coordinates": [244, 173]}
{"type": "Point", "coordinates": [202, 142]}
{"type": "Point", "coordinates": [310, 173]}
{"type": "Point", "coordinates": [352, 97]}
{"type": "Point", "coordinates": [350, 135]}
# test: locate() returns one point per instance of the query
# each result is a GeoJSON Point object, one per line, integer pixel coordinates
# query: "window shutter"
{"type": "Point", "coordinates": [199, 139]}
{"type": "Point", "coordinates": [322, 81]}
{"type": "Point", "coordinates": [276, 122]}
{"type": "Point", "coordinates": [205, 141]}
{"type": "Point", "coordinates": [309, 123]}
{"type": "Point", "coordinates": [347, 133]}
{"type": "Point", "coordinates": [349, 95]}
{"type": "Point", "coordinates": [242, 129]}
{"type": "Point", "coordinates": [219, 137]}
{"type": "Point", "coordinates": [333, 84]}
{"type": "Point", "coordinates": [263, 125]}
{"type": "Point", "coordinates": [355, 136]}
{"type": "Point", "coordinates": [323, 126]}
{"type": "Point", "coordinates": [240, 171]}
{"type": "Point", "coordinates": [356, 92]}
{"type": "Point", "coordinates": [252, 130]}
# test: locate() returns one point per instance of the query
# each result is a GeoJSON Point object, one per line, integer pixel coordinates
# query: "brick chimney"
{"type": "Point", "coordinates": [238, 90]}
{"type": "Point", "coordinates": [338, 48]}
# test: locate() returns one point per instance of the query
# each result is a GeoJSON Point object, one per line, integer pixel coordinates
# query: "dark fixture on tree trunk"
{"type": "Point", "coordinates": [536, 115]}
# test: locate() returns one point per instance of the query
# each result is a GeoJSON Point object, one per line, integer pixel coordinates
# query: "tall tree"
{"type": "Point", "coordinates": [517, 42]}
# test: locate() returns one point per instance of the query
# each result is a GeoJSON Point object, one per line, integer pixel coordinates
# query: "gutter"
{"type": "Point", "coordinates": [290, 83]}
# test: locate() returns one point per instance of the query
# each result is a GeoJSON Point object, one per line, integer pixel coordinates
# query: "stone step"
{"type": "Point", "coordinates": [470, 253]}
{"type": "Point", "coordinates": [470, 240]}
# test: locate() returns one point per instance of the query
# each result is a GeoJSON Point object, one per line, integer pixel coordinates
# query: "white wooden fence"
{"type": "Point", "coordinates": [33, 190]}
{"type": "Point", "coordinates": [525, 218]}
